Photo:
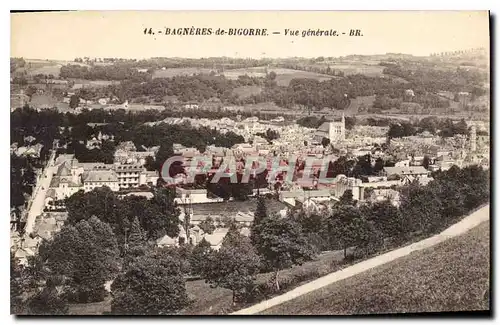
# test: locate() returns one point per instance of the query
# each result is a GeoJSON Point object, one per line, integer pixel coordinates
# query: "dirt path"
{"type": "Point", "coordinates": [469, 222]}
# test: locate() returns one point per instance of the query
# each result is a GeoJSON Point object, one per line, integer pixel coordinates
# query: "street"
{"type": "Point", "coordinates": [37, 203]}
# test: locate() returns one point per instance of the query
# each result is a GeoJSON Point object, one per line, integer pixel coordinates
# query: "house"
{"type": "Point", "coordinates": [65, 182]}
{"type": "Point", "coordinates": [193, 196]}
{"type": "Point", "coordinates": [191, 106]}
{"type": "Point", "coordinates": [416, 171]}
{"type": "Point", "coordinates": [22, 254]}
{"type": "Point", "coordinates": [130, 175]}
{"type": "Point", "coordinates": [98, 178]}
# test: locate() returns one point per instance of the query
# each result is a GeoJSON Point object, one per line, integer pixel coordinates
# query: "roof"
{"type": "Point", "coordinates": [51, 192]}
{"type": "Point", "coordinates": [166, 240]}
{"type": "Point", "coordinates": [128, 168]}
{"type": "Point", "coordinates": [147, 195]}
{"type": "Point", "coordinates": [216, 238]}
{"type": "Point", "coordinates": [405, 170]}
{"type": "Point", "coordinates": [63, 158]}
{"type": "Point", "coordinates": [64, 170]}
{"type": "Point", "coordinates": [95, 165]}
{"type": "Point", "coordinates": [100, 176]}
{"type": "Point", "coordinates": [324, 127]}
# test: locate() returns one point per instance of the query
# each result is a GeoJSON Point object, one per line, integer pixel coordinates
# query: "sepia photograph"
{"type": "Point", "coordinates": [277, 163]}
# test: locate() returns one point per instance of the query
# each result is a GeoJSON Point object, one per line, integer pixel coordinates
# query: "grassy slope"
{"type": "Point", "coordinates": [451, 276]}
{"type": "Point", "coordinates": [214, 301]}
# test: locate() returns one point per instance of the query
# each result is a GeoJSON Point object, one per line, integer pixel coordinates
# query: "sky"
{"type": "Point", "coordinates": [67, 35]}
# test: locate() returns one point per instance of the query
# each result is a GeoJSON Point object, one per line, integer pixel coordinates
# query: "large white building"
{"type": "Point", "coordinates": [334, 131]}
{"type": "Point", "coordinates": [71, 176]}
{"type": "Point", "coordinates": [98, 178]}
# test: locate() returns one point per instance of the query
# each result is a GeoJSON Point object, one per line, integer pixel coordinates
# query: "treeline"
{"type": "Point", "coordinates": [314, 122]}
{"type": "Point", "coordinates": [423, 211]}
{"type": "Point", "coordinates": [334, 93]}
{"type": "Point", "coordinates": [22, 180]}
{"type": "Point", "coordinates": [443, 127]}
{"type": "Point", "coordinates": [108, 72]}
{"type": "Point", "coordinates": [423, 80]}
{"type": "Point", "coordinates": [324, 69]}
{"type": "Point", "coordinates": [218, 63]}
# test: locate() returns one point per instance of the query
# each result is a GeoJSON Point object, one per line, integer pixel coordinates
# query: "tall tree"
{"type": "Point", "coordinates": [234, 266]}
{"type": "Point", "coordinates": [149, 286]}
{"type": "Point", "coordinates": [86, 254]}
{"type": "Point", "coordinates": [136, 237]}
{"type": "Point", "coordinates": [348, 228]}
{"type": "Point", "coordinates": [74, 100]}
{"type": "Point", "coordinates": [259, 215]}
{"type": "Point", "coordinates": [282, 244]}
{"type": "Point", "coordinates": [385, 217]}
{"type": "Point", "coordinates": [200, 257]}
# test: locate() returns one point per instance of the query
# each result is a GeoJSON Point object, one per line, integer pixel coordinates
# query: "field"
{"type": "Point", "coordinates": [451, 276]}
{"type": "Point", "coordinates": [358, 68]}
{"type": "Point", "coordinates": [79, 83]}
{"type": "Point", "coordinates": [283, 76]}
{"type": "Point", "coordinates": [247, 91]}
{"type": "Point", "coordinates": [43, 100]}
{"type": "Point", "coordinates": [173, 72]}
{"type": "Point", "coordinates": [360, 101]}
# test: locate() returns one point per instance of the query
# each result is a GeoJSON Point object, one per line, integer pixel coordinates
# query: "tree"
{"type": "Point", "coordinates": [346, 198]}
{"type": "Point", "coordinates": [385, 217]}
{"type": "Point", "coordinates": [16, 287]}
{"type": "Point", "coordinates": [420, 209]}
{"type": "Point", "coordinates": [348, 228]}
{"type": "Point", "coordinates": [379, 165]}
{"type": "Point", "coordinates": [74, 101]}
{"type": "Point", "coordinates": [167, 221]}
{"type": "Point", "coordinates": [48, 302]}
{"type": "Point", "coordinates": [86, 254]}
{"type": "Point", "coordinates": [136, 237]}
{"type": "Point", "coordinates": [150, 285]}
{"type": "Point", "coordinates": [325, 142]}
{"type": "Point", "coordinates": [363, 166]}
{"type": "Point", "coordinates": [207, 225]}
{"type": "Point", "coordinates": [234, 266]}
{"type": "Point", "coordinates": [259, 215]}
{"type": "Point", "coordinates": [426, 162]}
{"type": "Point", "coordinates": [150, 163]}
{"type": "Point", "coordinates": [200, 256]}
{"type": "Point", "coordinates": [281, 244]}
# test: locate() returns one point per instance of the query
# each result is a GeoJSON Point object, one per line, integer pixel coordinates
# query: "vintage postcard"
{"type": "Point", "coordinates": [250, 162]}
